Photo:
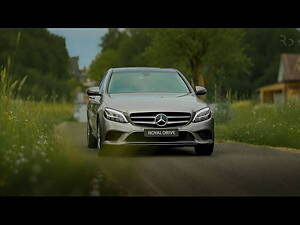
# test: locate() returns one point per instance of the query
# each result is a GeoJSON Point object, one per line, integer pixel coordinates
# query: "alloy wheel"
{"type": "Point", "coordinates": [99, 144]}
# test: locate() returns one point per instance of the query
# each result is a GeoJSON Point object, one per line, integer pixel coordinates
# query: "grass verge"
{"type": "Point", "coordinates": [263, 124]}
{"type": "Point", "coordinates": [33, 161]}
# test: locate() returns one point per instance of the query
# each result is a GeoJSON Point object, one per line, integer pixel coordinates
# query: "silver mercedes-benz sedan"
{"type": "Point", "coordinates": [148, 106]}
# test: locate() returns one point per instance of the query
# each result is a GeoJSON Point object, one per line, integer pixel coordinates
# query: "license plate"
{"type": "Point", "coordinates": [161, 133]}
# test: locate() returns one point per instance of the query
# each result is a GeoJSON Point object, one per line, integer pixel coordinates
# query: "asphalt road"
{"type": "Point", "coordinates": [233, 170]}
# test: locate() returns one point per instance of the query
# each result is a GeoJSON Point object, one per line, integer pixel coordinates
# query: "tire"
{"type": "Point", "coordinates": [99, 141]}
{"type": "Point", "coordinates": [205, 149]}
{"type": "Point", "coordinates": [91, 139]}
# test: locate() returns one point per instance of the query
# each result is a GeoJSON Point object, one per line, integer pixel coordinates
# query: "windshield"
{"type": "Point", "coordinates": [145, 81]}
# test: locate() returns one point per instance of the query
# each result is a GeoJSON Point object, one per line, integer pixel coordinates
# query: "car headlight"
{"type": "Point", "coordinates": [114, 115]}
{"type": "Point", "coordinates": [201, 115]}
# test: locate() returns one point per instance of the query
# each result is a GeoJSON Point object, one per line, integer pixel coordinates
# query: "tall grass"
{"type": "Point", "coordinates": [33, 161]}
{"type": "Point", "coordinates": [264, 124]}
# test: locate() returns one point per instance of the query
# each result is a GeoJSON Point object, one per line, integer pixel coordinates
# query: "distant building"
{"type": "Point", "coordinates": [288, 86]}
{"type": "Point", "coordinates": [75, 70]}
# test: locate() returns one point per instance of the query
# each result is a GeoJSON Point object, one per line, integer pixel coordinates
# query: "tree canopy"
{"type": "Point", "coordinates": [39, 55]}
{"type": "Point", "coordinates": [239, 60]}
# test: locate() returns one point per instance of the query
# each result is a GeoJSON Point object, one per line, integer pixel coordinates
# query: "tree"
{"type": "Point", "coordinates": [112, 39]}
{"type": "Point", "coordinates": [207, 56]}
{"type": "Point", "coordinates": [120, 49]}
{"type": "Point", "coordinates": [133, 45]}
{"type": "Point", "coordinates": [41, 56]}
{"type": "Point", "coordinates": [103, 61]}
{"type": "Point", "coordinates": [203, 53]}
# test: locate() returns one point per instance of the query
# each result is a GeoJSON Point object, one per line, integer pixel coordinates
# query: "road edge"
{"type": "Point", "coordinates": [293, 150]}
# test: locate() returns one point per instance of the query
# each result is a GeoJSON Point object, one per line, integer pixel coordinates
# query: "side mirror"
{"type": "Point", "coordinates": [93, 91]}
{"type": "Point", "coordinates": [200, 90]}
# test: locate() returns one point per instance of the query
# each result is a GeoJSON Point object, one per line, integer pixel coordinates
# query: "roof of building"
{"type": "Point", "coordinates": [292, 66]}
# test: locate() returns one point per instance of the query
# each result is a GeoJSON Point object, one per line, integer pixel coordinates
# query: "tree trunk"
{"type": "Point", "coordinates": [199, 79]}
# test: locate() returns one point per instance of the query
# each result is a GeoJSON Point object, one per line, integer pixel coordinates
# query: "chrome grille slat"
{"type": "Point", "coordinates": [145, 122]}
{"type": "Point", "coordinates": [148, 118]}
{"type": "Point", "coordinates": [142, 117]}
{"type": "Point", "coordinates": [180, 117]}
{"type": "Point", "coordinates": [173, 122]}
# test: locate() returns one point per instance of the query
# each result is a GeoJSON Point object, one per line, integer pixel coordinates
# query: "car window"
{"type": "Point", "coordinates": [145, 81]}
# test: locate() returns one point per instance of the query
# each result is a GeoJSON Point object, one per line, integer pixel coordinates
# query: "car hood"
{"type": "Point", "coordinates": [154, 102]}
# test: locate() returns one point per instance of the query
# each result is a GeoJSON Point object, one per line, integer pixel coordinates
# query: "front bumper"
{"type": "Point", "coordinates": [128, 134]}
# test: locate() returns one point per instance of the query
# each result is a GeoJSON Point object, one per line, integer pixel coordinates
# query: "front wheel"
{"type": "Point", "coordinates": [204, 149]}
{"type": "Point", "coordinates": [91, 139]}
{"type": "Point", "coordinates": [99, 139]}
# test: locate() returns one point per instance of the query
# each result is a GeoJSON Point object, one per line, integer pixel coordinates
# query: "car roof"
{"type": "Point", "coordinates": [121, 69]}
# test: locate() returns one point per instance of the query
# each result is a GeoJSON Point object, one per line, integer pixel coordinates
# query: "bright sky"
{"type": "Point", "coordinates": [82, 42]}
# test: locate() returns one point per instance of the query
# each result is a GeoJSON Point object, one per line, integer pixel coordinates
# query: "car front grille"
{"type": "Point", "coordinates": [148, 118]}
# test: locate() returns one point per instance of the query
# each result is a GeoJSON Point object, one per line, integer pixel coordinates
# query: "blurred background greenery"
{"type": "Point", "coordinates": [42, 57]}
{"type": "Point", "coordinates": [239, 60]}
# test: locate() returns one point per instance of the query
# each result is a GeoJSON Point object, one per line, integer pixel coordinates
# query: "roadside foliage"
{"type": "Point", "coordinates": [263, 124]}
{"type": "Point", "coordinates": [34, 159]}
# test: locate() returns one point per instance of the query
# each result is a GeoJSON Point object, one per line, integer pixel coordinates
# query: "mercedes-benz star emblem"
{"type": "Point", "coordinates": [161, 120]}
